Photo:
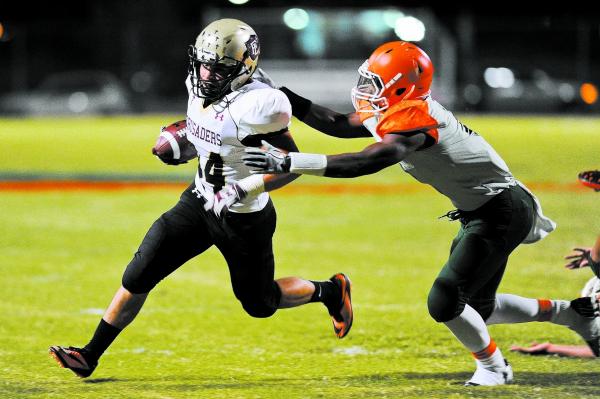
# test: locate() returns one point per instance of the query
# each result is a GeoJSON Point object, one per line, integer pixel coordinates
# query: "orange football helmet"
{"type": "Point", "coordinates": [395, 71]}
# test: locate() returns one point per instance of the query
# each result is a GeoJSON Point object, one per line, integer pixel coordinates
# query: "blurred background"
{"type": "Point", "coordinates": [116, 57]}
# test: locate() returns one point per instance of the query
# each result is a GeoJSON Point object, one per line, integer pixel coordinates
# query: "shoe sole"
{"type": "Point", "coordinates": [346, 324]}
{"type": "Point", "coordinates": [57, 354]}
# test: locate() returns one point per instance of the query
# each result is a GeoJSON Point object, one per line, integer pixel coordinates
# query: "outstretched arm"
{"type": "Point", "coordinates": [391, 150]}
{"type": "Point", "coordinates": [324, 119]}
{"type": "Point", "coordinates": [582, 257]}
{"type": "Point", "coordinates": [548, 348]}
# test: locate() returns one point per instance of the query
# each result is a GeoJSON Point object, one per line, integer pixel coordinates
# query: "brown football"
{"type": "Point", "coordinates": [172, 146]}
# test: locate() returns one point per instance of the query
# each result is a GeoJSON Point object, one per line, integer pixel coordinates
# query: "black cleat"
{"type": "Point", "coordinates": [342, 316]}
{"type": "Point", "coordinates": [73, 359]}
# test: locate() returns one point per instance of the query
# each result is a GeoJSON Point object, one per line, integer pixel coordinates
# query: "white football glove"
{"type": "Point", "coordinates": [261, 76]}
{"type": "Point", "coordinates": [224, 199]}
{"type": "Point", "coordinates": [268, 160]}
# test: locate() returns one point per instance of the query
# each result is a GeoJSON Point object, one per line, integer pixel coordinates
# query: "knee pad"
{"type": "Point", "coordinates": [444, 301]}
{"type": "Point", "coordinates": [133, 280]}
{"type": "Point", "coordinates": [262, 306]}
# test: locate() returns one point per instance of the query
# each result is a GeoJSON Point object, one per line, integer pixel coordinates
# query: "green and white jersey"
{"type": "Point", "coordinates": [459, 163]}
{"type": "Point", "coordinates": [221, 131]}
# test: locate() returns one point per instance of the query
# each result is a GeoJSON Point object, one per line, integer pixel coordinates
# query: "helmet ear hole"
{"type": "Point", "coordinates": [400, 91]}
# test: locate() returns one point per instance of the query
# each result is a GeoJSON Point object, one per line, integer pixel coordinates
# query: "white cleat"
{"type": "Point", "coordinates": [490, 377]}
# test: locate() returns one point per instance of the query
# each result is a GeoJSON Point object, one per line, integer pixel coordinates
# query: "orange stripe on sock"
{"type": "Point", "coordinates": [486, 352]}
{"type": "Point", "coordinates": [545, 312]}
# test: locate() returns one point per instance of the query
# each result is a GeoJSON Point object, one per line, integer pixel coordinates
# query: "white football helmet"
{"type": "Point", "coordinates": [227, 50]}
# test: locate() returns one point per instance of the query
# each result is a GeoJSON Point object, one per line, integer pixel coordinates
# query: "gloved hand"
{"type": "Point", "coordinates": [224, 199]}
{"type": "Point", "coordinates": [268, 159]}
{"type": "Point", "coordinates": [580, 257]}
{"type": "Point", "coordinates": [586, 306]}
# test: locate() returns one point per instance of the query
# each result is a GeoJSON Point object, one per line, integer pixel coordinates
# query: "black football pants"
{"type": "Point", "coordinates": [187, 230]}
{"type": "Point", "coordinates": [479, 254]}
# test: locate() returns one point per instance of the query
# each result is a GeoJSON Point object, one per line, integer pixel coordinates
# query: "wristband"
{"type": "Point", "coordinates": [252, 185]}
{"type": "Point", "coordinates": [300, 105]}
{"type": "Point", "coordinates": [307, 164]}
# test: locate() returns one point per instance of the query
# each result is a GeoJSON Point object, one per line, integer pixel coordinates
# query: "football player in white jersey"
{"type": "Point", "coordinates": [588, 304]}
{"type": "Point", "coordinates": [227, 111]}
{"type": "Point", "coordinates": [497, 213]}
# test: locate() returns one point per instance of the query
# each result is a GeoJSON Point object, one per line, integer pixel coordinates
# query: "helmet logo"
{"type": "Point", "coordinates": [253, 47]}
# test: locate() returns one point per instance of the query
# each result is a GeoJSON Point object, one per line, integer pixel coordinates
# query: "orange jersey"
{"type": "Point", "coordinates": [408, 116]}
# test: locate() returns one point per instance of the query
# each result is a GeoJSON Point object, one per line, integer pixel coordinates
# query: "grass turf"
{"type": "Point", "coordinates": [63, 255]}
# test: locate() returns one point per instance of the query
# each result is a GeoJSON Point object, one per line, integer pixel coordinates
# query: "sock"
{"type": "Point", "coordinates": [104, 335]}
{"type": "Point", "coordinates": [511, 309]}
{"type": "Point", "coordinates": [326, 292]}
{"type": "Point", "coordinates": [471, 331]}
{"type": "Point", "coordinates": [489, 357]}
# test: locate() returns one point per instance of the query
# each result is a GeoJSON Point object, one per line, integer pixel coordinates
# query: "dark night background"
{"type": "Point", "coordinates": [125, 37]}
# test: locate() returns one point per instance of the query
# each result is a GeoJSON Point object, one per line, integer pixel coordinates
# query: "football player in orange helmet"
{"type": "Point", "coordinates": [496, 212]}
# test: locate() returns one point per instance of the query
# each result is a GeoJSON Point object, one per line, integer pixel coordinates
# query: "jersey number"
{"type": "Point", "coordinates": [213, 171]}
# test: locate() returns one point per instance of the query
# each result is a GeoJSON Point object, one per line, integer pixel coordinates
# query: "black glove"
{"type": "Point", "coordinates": [586, 306]}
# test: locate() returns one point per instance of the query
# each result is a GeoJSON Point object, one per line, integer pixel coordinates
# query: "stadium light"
{"type": "Point", "coordinates": [410, 29]}
{"type": "Point", "coordinates": [566, 92]}
{"type": "Point", "coordinates": [238, 2]}
{"type": "Point", "coordinates": [589, 93]}
{"type": "Point", "coordinates": [390, 17]}
{"type": "Point", "coordinates": [296, 18]}
{"type": "Point", "coordinates": [78, 102]}
{"type": "Point", "coordinates": [499, 78]}
{"type": "Point", "coordinates": [374, 22]}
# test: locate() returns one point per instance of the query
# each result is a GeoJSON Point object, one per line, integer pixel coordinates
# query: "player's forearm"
{"type": "Point", "coordinates": [274, 182]}
{"type": "Point", "coordinates": [370, 160]}
{"type": "Point", "coordinates": [355, 164]}
{"type": "Point", "coordinates": [571, 351]}
{"type": "Point", "coordinates": [323, 119]}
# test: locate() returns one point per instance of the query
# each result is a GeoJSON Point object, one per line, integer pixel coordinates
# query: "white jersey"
{"type": "Point", "coordinates": [217, 132]}
{"type": "Point", "coordinates": [459, 164]}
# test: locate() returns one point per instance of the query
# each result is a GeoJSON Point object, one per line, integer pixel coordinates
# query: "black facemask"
{"type": "Point", "coordinates": [221, 73]}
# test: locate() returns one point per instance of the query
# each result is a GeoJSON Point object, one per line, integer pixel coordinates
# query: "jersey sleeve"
{"type": "Point", "coordinates": [266, 112]}
{"type": "Point", "coordinates": [408, 116]}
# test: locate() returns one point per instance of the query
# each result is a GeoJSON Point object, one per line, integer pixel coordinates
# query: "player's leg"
{"type": "Point", "coordinates": [177, 236]}
{"type": "Point", "coordinates": [479, 254]}
{"type": "Point", "coordinates": [247, 247]}
{"type": "Point", "coordinates": [511, 309]}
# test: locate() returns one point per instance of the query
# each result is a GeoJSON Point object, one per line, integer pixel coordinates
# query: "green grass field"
{"type": "Point", "coordinates": [63, 254]}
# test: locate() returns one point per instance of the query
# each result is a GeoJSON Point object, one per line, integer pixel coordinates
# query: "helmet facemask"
{"type": "Point", "coordinates": [221, 73]}
{"type": "Point", "coordinates": [367, 94]}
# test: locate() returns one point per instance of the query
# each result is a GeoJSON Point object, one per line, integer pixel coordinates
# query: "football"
{"type": "Point", "coordinates": [172, 146]}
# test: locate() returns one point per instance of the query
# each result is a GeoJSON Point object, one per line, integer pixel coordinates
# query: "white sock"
{"type": "Point", "coordinates": [512, 309]}
{"type": "Point", "coordinates": [471, 331]}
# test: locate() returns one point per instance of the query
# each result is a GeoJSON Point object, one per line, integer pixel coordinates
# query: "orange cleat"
{"type": "Point", "coordinates": [73, 359]}
{"type": "Point", "coordinates": [342, 317]}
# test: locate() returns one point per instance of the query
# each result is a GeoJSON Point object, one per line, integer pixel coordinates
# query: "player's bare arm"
{"type": "Point", "coordinates": [391, 150]}
{"type": "Point", "coordinates": [325, 120]}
